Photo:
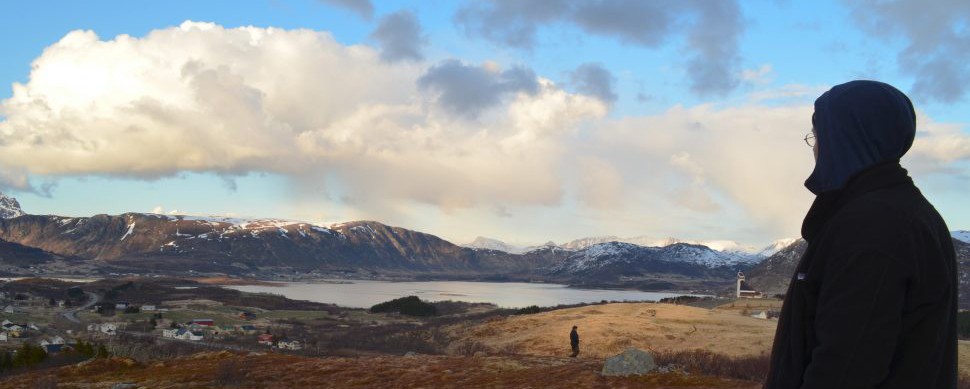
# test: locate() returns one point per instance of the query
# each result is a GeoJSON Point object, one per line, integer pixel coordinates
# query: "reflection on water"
{"type": "Point", "coordinates": [364, 294]}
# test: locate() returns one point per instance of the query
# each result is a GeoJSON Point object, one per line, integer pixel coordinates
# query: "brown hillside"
{"type": "Point", "coordinates": [606, 330]}
{"type": "Point", "coordinates": [223, 369]}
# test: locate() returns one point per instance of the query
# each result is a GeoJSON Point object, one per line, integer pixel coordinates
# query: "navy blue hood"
{"type": "Point", "coordinates": [859, 124]}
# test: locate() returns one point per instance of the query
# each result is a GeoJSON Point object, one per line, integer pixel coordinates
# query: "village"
{"type": "Point", "coordinates": [57, 317]}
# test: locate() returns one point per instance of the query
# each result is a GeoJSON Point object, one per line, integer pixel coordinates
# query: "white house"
{"type": "Point", "coordinates": [3, 336]}
{"type": "Point", "coordinates": [289, 345]}
{"type": "Point", "coordinates": [10, 326]}
{"type": "Point", "coordinates": [182, 333]}
{"type": "Point", "coordinates": [9, 309]}
{"type": "Point", "coordinates": [121, 306]}
{"type": "Point", "coordinates": [149, 308]}
{"type": "Point", "coordinates": [107, 328]}
{"type": "Point", "coordinates": [57, 340]}
{"type": "Point", "coordinates": [185, 334]}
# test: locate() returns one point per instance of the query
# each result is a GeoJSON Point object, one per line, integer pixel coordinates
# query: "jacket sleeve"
{"type": "Point", "coordinates": [858, 318]}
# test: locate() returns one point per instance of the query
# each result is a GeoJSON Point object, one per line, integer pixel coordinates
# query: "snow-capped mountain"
{"type": "Point", "coordinates": [776, 246]}
{"type": "Point", "coordinates": [482, 242]}
{"type": "Point", "coordinates": [582, 243]}
{"type": "Point", "coordinates": [963, 236]}
{"type": "Point", "coordinates": [613, 253]}
{"type": "Point", "coordinates": [616, 261]}
{"type": "Point", "coordinates": [9, 207]}
{"type": "Point", "coordinates": [738, 252]}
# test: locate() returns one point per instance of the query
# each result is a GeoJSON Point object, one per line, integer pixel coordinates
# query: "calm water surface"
{"type": "Point", "coordinates": [364, 293]}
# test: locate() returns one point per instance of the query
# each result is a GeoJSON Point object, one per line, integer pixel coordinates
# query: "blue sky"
{"type": "Point", "coordinates": [522, 121]}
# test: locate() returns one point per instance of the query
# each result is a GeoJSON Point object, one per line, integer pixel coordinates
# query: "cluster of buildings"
{"type": "Point", "coordinates": [9, 330]}
{"type": "Point", "coordinates": [201, 329]}
{"type": "Point", "coordinates": [282, 344]}
{"type": "Point", "coordinates": [109, 329]}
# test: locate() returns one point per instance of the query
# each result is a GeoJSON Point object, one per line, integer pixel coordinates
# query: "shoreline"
{"type": "Point", "coordinates": [228, 281]}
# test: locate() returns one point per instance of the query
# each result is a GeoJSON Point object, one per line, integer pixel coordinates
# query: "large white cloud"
{"type": "Point", "coordinates": [200, 97]}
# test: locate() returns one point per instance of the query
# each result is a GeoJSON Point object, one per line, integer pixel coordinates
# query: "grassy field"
{"type": "Point", "coordinates": [606, 330]}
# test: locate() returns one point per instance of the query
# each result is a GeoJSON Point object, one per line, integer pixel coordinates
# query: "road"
{"type": "Point", "coordinates": [71, 315]}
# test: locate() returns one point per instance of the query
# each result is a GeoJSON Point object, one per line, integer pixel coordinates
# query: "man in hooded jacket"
{"type": "Point", "coordinates": [873, 301]}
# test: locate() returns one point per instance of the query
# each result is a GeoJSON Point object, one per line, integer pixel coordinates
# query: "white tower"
{"type": "Point", "coordinates": [740, 281]}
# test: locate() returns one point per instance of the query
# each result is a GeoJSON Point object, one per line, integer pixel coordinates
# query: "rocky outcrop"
{"type": "Point", "coordinates": [630, 362]}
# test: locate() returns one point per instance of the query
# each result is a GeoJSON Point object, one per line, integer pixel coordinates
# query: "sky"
{"type": "Point", "coordinates": [524, 121]}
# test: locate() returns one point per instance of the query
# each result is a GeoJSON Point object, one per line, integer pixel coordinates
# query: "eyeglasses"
{"type": "Point", "coordinates": [810, 139]}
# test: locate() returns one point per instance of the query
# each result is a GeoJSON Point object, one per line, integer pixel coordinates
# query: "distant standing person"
{"type": "Point", "coordinates": [873, 300]}
{"type": "Point", "coordinates": [574, 342]}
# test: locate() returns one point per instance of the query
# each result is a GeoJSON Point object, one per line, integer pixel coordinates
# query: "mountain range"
{"type": "Point", "coordinates": [145, 243]}
{"type": "Point", "coordinates": [749, 253]}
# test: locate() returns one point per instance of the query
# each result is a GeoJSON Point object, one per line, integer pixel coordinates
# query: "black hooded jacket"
{"type": "Point", "coordinates": [873, 301]}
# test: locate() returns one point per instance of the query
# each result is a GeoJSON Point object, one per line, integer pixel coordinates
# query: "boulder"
{"type": "Point", "coordinates": [630, 362]}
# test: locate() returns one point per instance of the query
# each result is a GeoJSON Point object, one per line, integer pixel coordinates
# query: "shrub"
{"type": "Point", "coordinates": [410, 305]}
{"type": "Point", "coordinates": [75, 292]}
{"type": "Point", "coordinates": [532, 309]}
{"type": "Point", "coordinates": [699, 361]}
{"type": "Point", "coordinates": [679, 300]}
{"type": "Point", "coordinates": [229, 373]}
{"type": "Point", "coordinates": [469, 348]}
{"type": "Point", "coordinates": [963, 324]}
{"type": "Point", "coordinates": [29, 355]}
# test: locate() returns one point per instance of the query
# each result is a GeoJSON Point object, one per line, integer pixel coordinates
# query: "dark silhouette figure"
{"type": "Point", "coordinates": [574, 342]}
{"type": "Point", "coordinates": [873, 301]}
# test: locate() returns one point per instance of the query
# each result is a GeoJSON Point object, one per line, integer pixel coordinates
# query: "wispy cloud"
{"type": "Point", "coordinates": [364, 8]}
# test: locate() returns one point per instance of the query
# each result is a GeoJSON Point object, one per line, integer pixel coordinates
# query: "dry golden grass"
{"type": "Point", "coordinates": [963, 357]}
{"type": "Point", "coordinates": [606, 330]}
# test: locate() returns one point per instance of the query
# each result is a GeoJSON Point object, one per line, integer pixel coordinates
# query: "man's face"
{"type": "Point", "coordinates": [815, 146]}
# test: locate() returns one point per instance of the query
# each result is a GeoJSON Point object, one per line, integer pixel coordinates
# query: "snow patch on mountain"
{"type": "Point", "coordinates": [9, 207]}
{"type": "Point", "coordinates": [131, 228]}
